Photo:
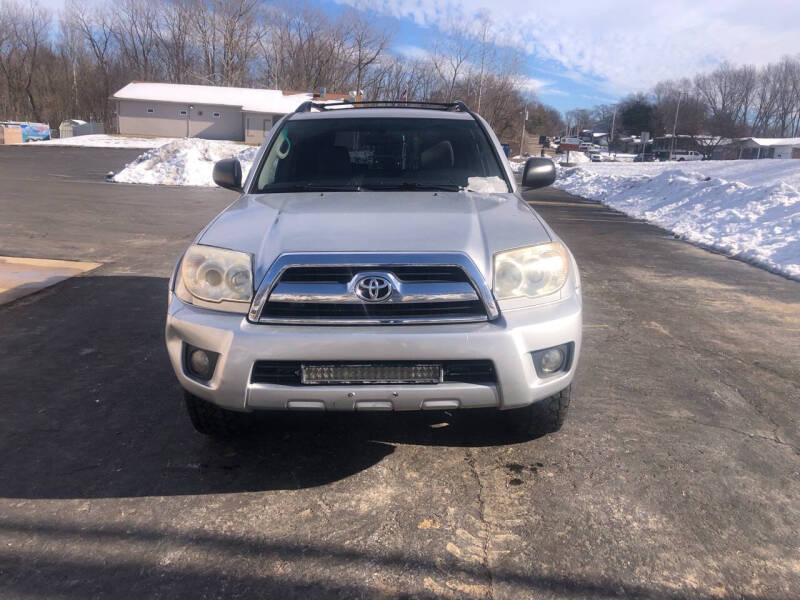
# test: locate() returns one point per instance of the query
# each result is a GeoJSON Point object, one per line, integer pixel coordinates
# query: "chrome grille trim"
{"type": "Point", "coordinates": [309, 292]}
{"type": "Point", "coordinates": [343, 293]}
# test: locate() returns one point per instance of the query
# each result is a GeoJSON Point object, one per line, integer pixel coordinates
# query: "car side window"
{"type": "Point", "coordinates": [278, 152]}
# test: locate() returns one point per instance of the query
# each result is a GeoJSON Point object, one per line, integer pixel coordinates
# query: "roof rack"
{"type": "Point", "coordinates": [458, 105]}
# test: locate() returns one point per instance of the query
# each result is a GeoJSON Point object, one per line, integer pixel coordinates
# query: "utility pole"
{"type": "Point", "coordinates": [189, 110]}
{"type": "Point", "coordinates": [675, 126]}
{"type": "Point", "coordinates": [613, 124]}
{"type": "Point", "coordinates": [522, 139]}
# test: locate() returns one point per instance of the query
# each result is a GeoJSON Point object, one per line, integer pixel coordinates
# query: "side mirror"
{"type": "Point", "coordinates": [538, 172]}
{"type": "Point", "coordinates": [228, 174]}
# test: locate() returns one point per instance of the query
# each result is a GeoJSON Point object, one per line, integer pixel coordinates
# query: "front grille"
{"type": "Point", "coordinates": [408, 274]}
{"type": "Point", "coordinates": [324, 310]}
{"type": "Point", "coordinates": [283, 372]}
{"type": "Point", "coordinates": [324, 294]}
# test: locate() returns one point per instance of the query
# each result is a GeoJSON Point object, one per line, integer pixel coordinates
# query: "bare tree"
{"type": "Point", "coordinates": [450, 59]}
{"type": "Point", "coordinates": [101, 47]}
{"type": "Point", "coordinates": [134, 28]}
{"type": "Point", "coordinates": [239, 34]}
{"type": "Point", "coordinates": [96, 29]}
{"type": "Point", "coordinates": [367, 42]}
{"type": "Point", "coordinates": [173, 33]}
{"type": "Point", "coordinates": [24, 38]}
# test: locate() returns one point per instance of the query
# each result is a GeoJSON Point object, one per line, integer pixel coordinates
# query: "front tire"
{"type": "Point", "coordinates": [211, 420]}
{"type": "Point", "coordinates": [542, 417]}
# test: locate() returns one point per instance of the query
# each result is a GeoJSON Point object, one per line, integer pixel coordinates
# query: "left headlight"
{"type": "Point", "coordinates": [530, 272]}
{"type": "Point", "coordinates": [217, 275]}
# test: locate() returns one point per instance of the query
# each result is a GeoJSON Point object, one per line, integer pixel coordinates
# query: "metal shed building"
{"type": "Point", "coordinates": [204, 111]}
{"type": "Point", "coordinates": [755, 148]}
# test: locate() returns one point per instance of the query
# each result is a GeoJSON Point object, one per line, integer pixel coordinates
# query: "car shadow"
{"type": "Point", "coordinates": [91, 408]}
{"type": "Point", "coordinates": [334, 570]}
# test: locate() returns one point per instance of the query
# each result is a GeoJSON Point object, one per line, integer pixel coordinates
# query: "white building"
{"type": "Point", "coordinates": [763, 148]}
{"type": "Point", "coordinates": [204, 111]}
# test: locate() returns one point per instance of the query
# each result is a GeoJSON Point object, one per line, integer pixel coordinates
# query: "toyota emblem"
{"type": "Point", "coordinates": [373, 288]}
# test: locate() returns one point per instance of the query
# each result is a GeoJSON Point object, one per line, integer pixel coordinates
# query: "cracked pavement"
{"type": "Point", "coordinates": [676, 476]}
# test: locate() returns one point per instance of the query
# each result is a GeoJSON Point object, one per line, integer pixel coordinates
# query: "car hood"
{"type": "Point", "coordinates": [268, 225]}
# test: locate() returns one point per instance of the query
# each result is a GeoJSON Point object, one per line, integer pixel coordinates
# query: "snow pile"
{"type": "Point", "coordinates": [188, 161]}
{"type": "Point", "coordinates": [99, 140]}
{"type": "Point", "coordinates": [575, 158]}
{"type": "Point", "coordinates": [748, 209]}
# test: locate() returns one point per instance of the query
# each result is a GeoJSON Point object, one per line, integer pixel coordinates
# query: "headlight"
{"type": "Point", "coordinates": [215, 274]}
{"type": "Point", "coordinates": [530, 272]}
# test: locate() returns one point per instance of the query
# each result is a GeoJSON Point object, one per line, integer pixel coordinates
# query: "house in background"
{"type": "Point", "coordinates": [204, 111]}
{"type": "Point", "coordinates": [631, 144]}
{"type": "Point", "coordinates": [755, 148]}
{"type": "Point", "coordinates": [663, 143]}
{"type": "Point", "coordinates": [600, 138]}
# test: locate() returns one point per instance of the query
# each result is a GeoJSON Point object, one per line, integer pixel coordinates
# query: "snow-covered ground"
{"type": "Point", "coordinates": [187, 161]}
{"type": "Point", "coordinates": [99, 140]}
{"type": "Point", "coordinates": [749, 209]}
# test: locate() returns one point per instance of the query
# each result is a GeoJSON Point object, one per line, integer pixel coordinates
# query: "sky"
{"type": "Point", "coordinates": [580, 53]}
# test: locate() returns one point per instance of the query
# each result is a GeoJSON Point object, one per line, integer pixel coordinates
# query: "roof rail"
{"type": "Point", "coordinates": [305, 107]}
{"type": "Point", "coordinates": [458, 105]}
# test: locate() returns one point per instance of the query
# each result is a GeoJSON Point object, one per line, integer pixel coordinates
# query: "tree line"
{"type": "Point", "coordinates": [729, 102]}
{"type": "Point", "coordinates": [67, 65]}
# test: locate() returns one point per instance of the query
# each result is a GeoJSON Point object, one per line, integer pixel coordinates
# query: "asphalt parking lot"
{"type": "Point", "coordinates": [676, 476]}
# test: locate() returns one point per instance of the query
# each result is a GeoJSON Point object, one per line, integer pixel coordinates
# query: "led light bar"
{"type": "Point", "coordinates": [375, 373]}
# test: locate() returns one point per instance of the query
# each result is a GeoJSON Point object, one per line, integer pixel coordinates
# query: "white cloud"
{"type": "Point", "coordinates": [410, 51]}
{"type": "Point", "coordinates": [531, 84]}
{"type": "Point", "coordinates": [625, 45]}
{"type": "Point", "coordinates": [540, 87]}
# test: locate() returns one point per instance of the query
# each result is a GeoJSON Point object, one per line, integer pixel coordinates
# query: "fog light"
{"type": "Point", "coordinates": [551, 361]}
{"type": "Point", "coordinates": [200, 363]}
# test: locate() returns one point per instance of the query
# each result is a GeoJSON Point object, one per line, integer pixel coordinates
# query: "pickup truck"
{"type": "Point", "coordinates": [379, 257]}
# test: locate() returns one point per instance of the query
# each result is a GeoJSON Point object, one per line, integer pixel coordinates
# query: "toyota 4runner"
{"type": "Point", "coordinates": [380, 257]}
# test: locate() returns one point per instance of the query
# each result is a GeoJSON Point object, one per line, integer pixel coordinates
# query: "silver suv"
{"type": "Point", "coordinates": [379, 258]}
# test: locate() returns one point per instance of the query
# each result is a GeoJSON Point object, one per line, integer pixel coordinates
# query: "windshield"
{"type": "Point", "coordinates": [380, 154]}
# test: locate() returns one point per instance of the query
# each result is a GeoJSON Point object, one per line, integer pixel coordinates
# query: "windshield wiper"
{"type": "Point", "coordinates": [311, 187]}
{"type": "Point", "coordinates": [415, 186]}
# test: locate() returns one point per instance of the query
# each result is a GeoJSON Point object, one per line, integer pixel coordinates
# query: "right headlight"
{"type": "Point", "coordinates": [216, 275]}
{"type": "Point", "coordinates": [530, 272]}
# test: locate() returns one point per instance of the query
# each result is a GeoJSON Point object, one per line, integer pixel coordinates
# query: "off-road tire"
{"type": "Point", "coordinates": [209, 419]}
{"type": "Point", "coordinates": [542, 417]}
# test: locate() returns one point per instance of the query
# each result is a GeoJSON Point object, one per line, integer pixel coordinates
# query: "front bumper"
{"type": "Point", "coordinates": [507, 341]}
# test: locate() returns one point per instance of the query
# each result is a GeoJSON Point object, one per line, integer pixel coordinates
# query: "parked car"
{"type": "Point", "coordinates": [416, 278]}
{"type": "Point", "coordinates": [683, 155]}
{"type": "Point", "coordinates": [647, 157]}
